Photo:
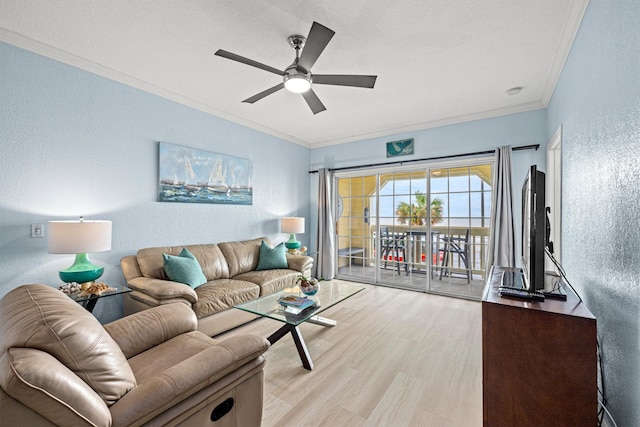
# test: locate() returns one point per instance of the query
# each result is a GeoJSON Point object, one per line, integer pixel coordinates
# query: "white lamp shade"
{"type": "Point", "coordinates": [79, 236]}
{"type": "Point", "coordinates": [292, 225]}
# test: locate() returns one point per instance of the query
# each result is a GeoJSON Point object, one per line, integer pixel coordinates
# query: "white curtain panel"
{"type": "Point", "coordinates": [325, 260]}
{"type": "Point", "coordinates": [502, 239]}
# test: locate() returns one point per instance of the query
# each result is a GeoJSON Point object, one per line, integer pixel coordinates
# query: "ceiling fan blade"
{"type": "Point", "coordinates": [313, 101]}
{"type": "Point", "coordinates": [345, 80]}
{"type": "Point", "coordinates": [242, 59]}
{"type": "Point", "coordinates": [264, 93]}
{"type": "Point", "coordinates": [319, 37]}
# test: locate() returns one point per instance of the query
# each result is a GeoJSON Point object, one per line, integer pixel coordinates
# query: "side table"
{"type": "Point", "coordinates": [89, 301]}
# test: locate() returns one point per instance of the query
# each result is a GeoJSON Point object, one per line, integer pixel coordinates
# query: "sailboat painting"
{"type": "Point", "coordinates": [189, 175]}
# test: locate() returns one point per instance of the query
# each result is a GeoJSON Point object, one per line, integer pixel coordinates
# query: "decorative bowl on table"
{"type": "Point", "coordinates": [308, 285]}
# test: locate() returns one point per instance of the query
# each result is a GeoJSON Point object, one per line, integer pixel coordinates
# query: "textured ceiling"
{"type": "Point", "coordinates": [437, 61]}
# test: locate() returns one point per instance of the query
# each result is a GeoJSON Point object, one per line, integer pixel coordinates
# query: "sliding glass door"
{"type": "Point", "coordinates": [423, 229]}
{"type": "Point", "coordinates": [355, 245]}
{"type": "Point", "coordinates": [462, 231]}
{"type": "Point", "coordinates": [402, 216]}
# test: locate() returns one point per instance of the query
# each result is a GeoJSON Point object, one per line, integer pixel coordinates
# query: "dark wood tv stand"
{"type": "Point", "coordinates": [539, 360]}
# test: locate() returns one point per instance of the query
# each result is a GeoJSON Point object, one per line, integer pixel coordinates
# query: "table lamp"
{"type": "Point", "coordinates": [79, 237]}
{"type": "Point", "coordinates": [292, 225]}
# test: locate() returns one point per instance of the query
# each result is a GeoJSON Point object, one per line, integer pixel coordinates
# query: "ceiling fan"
{"type": "Point", "coordinates": [297, 77]}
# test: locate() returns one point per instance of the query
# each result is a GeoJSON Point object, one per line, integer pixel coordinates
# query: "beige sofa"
{"type": "Point", "coordinates": [60, 366]}
{"type": "Point", "coordinates": [231, 279]}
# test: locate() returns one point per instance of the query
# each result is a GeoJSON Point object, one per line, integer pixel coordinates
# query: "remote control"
{"type": "Point", "coordinates": [519, 293]}
{"type": "Point", "coordinates": [556, 295]}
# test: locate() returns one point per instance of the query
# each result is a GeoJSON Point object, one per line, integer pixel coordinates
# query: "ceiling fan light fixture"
{"type": "Point", "coordinates": [297, 77]}
{"type": "Point", "coordinates": [297, 83]}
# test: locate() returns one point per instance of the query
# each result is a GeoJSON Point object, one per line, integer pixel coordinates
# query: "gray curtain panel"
{"type": "Point", "coordinates": [502, 239]}
{"type": "Point", "coordinates": [325, 260]}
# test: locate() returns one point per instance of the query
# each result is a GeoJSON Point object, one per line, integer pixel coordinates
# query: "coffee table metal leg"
{"type": "Point", "coordinates": [279, 333]}
{"type": "Point", "coordinates": [322, 321]}
{"type": "Point", "coordinates": [303, 352]}
{"type": "Point", "coordinates": [302, 348]}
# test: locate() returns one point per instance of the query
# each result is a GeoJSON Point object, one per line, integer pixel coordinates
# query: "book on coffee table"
{"type": "Point", "coordinates": [293, 301]}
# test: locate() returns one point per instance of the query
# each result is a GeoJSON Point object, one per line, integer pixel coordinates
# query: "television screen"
{"type": "Point", "coordinates": [533, 229]}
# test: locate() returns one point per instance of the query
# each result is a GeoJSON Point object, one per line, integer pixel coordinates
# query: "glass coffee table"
{"type": "Point", "coordinates": [329, 294]}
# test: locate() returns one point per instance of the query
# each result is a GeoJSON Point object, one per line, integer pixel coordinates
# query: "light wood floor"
{"type": "Point", "coordinates": [455, 286]}
{"type": "Point", "coordinates": [396, 358]}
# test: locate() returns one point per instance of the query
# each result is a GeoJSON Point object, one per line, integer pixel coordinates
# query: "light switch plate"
{"type": "Point", "coordinates": [37, 230]}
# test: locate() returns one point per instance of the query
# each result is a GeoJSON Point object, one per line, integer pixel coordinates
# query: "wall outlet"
{"type": "Point", "coordinates": [37, 230]}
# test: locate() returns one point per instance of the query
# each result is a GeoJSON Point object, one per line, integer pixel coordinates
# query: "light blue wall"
{"type": "Point", "coordinates": [476, 136]}
{"type": "Point", "coordinates": [77, 144]}
{"type": "Point", "coordinates": [480, 135]}
{"type": "Point", "coordinates": [597, 102]}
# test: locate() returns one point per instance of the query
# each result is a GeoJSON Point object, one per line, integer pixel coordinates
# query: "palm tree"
{"type": "Point", "coordinates": [416, 214]}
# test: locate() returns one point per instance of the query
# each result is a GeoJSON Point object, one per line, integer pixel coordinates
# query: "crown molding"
{"type": "Point", "coordinates": [67, 58]}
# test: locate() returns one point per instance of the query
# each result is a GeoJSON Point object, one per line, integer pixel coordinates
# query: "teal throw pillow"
{"type": "Point", "coordinates": [270, 259]}
{"type": "Point", "coordinates": [184, 268]}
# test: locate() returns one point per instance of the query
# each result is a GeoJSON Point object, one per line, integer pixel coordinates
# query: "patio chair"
{"type": "Point", "coordinates": [391, 245]}
{"type": "Point", "coordinates": [455, 246]}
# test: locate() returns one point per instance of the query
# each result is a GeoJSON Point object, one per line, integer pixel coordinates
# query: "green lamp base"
{"type": "Point", "coordinates": [292, 243]}
{"type": "Point", "coordinates": [81, 271]}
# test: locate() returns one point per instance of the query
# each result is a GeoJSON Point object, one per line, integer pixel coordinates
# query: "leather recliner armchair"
{"type": "Point", "coordinates": [60, 366]}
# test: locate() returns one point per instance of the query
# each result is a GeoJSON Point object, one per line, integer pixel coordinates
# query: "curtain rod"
{"type": "Point", "coordinates": [451, 156]}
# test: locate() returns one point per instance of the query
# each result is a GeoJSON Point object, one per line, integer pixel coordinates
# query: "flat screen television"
{"type": "Point", "coordinates": [534, 228]}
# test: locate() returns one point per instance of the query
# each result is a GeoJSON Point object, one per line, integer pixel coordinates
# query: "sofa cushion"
{"type": "Point", "coordinates": [168, 353]}
{"type": "Point", "coordinates": [242, 256]}
{"type": "Point", "coordinates": [270, 281]}
{"type": "Point", "coordinates": [146, 329]}
{"type": "Point", "coordinates": [171, 353]}
{"type": "Point", "coordinates": [184, 268]}
{"type": "Point", "coordinates": [271, 258]}
{"type": "Point", "coordinates": [43, 318]}
{"type": "Point", "coordinates": [211, 260]}
{"type": "Point", "coordinates": [222, 294]}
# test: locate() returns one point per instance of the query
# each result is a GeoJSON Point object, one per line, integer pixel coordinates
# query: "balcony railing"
{"type": "Point", "coordinates": [418, 249]}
